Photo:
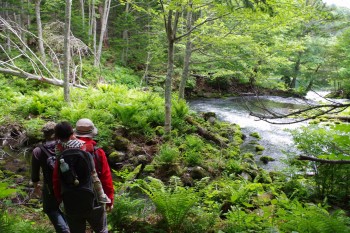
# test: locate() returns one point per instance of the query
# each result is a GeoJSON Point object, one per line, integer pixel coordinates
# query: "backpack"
{"type": "Point", "coordinates": [50, 157]}
{"type": "Point", "coordinates": [76, 184]}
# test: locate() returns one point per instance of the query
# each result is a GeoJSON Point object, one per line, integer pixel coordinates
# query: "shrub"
{"type": "Point", "coordinates": [167, 154]}
{"type": "Point", "coordinates": [174, 204]}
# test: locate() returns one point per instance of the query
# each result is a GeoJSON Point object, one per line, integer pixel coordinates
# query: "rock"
{"type": "Point", "coordinates": [187, 179]}
{"type": "Point", "coordinates": [246, 176]}
{"type": "Point", "coordinates": [121, 143]}
{"type": "Point", "coordinates": [208, 115]}
{"type": "Point", "coordinates": [259, 148]}
{"type": "Point", "coordinates": [116, 157]}
{"type": "Point", "coordinates": [255, 135]}
{"type": "Point", "coordinates": [142, 159]}
{"type": "Point", "coordinates": [120, 131]}
{"type": "Point", "coordinates": [266, 159]}
{"type": "Point", "coordinates": [198, 172]}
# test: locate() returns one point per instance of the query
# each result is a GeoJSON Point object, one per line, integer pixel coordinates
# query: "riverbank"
{"type": "Point", "coordinates": [197, 180]}
{"type": "Point", "coordinates": [216, 87]}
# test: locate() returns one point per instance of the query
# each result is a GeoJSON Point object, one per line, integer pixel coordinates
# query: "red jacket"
{"type": "Point", "coordinates": [104, 174]}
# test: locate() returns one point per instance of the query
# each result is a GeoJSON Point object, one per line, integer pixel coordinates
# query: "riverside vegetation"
{"type": "Point", "coordinates": [184, 184]}
{"type": "Point", "coordinates": [190, 177]}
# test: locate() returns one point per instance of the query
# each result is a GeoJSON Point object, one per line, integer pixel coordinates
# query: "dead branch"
{"type": "Point", "coordinates": [23, 74]}
{"type": "Point", "coordinates": [309, 158]}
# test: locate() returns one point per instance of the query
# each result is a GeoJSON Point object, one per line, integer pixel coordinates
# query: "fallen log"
{"type": "Point", "coordinates": [29, 76]}
{"type": "Point", "coordinates": [304, 157]}
{"type": "Point", "coordinates": [207, 134]}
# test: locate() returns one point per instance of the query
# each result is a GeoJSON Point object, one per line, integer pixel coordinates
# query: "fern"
{"type": "Point", "coordinates": [313, 218]}
{"type": "Point", "coordinates": [128, 208]}
{"type": "Point", "coordinates": [173, 204]}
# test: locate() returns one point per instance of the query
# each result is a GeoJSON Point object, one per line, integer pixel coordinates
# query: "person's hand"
{"type": "Point", "coordinates": [37, 190]}
{"type": "Point", "coordinates": [109, 208]}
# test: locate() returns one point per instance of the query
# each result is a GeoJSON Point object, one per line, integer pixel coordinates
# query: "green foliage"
{"type": "Point", "coordinates": [193, 150]}
{"type": "Point", "coordinates": [167, 154]}
{"type": "Point", "coordinates": [312, 218]}
{"type": "Point", "coordinates": [127, 210]}
{"type": "Point", "coordinates": [5, 191]}
{"type": "Point", "coordinates": [10, 223]}
{"type": "Point", "coordinates": [327, 143]}
{"type": "Point", "coordinates": [173, 204]}
{"type": "Point", "coordinates": [33, 128]}
{"type": "Point", "coordinates": [233, 166]}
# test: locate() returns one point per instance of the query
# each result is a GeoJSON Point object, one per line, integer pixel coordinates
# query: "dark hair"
{"type": "Point", "coordinates": [63, 131]}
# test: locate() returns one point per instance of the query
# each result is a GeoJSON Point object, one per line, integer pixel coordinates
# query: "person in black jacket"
{"type": "Point", "coordinates": [44, 158]}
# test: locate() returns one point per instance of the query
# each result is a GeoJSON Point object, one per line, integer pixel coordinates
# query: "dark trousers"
{"type": "Point", "coordinates": [58, 221]}
{"type": "Point", "coordinates": [51, 209]}
{"type": "Point", "coordinates": [97, 219]}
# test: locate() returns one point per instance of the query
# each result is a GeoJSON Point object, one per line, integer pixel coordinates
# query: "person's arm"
{"type": "Point", "coordinates": [105, 176]}
{"type": "Point", "coordinates": [35, 173]}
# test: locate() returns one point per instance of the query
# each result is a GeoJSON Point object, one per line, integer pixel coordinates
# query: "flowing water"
{"type": "Point", "coordinates": [274, 137]}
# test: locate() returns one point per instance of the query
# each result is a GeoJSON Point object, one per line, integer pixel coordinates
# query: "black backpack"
{"type": "Point", "coordinates": [50, 157]}
{"type": "Point", "coordinates": [48, 163]}
{"type": "Point", "coordinates": [76, 184]}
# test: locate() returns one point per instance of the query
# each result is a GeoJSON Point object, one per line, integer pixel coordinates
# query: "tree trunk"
{"type": "Point", "coordinates": [8, 41]}
{"type": "Point", "coordinates": [67, 50]}
{"type": "Point", "coordinates": [296, 71]}
{"type": "Point", "coordinates": [145, 74]}
{"type": "Point", "coordinates": [168, 84]}
{"type": "Point", "coordinates": [125, 38]}
{"type": "Point", "coordinates": [21, 24]}
{"type": "Point", "coordinates": [92, 26]}
{"type": "Point", "coordinates": [188, 54]}
{"type": "Point", "coordinates": [40, 31]}
{"type": "Point", "coordinates": [82, 3]}
{"type": "Point", "coordinates": [104, 21]}
{"type": "Point", "coordinates": [171, 28]}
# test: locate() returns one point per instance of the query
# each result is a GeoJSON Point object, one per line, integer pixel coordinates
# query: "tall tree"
{"type": "Point", "coordinates": [104, 21]}
{"type": "Point", "coordinates": [188, 52]}
{"type": "Point", "coordinates": [40, 31]}
{"type": "Point", "coordinates": [67, 50]}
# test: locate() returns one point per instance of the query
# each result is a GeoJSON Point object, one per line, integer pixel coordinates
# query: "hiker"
{"type": "Point", "coordinates": [44, 158]}
{"type": "Point", "coordinates": [75, 207]}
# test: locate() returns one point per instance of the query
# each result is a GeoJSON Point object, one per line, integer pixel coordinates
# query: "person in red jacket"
{"type": "Point", "coordinates": [81, 138]}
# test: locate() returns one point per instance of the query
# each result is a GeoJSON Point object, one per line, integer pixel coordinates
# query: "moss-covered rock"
{"type": "Point", "coordinates": [117, 157]}
{"type": "Point", "coordinates": [198, 172]}
{"type": "Point", "coordinates": [259, 148]}
{"type": "Point", "coordinates": [255, 135]}
{"type": "Point", "coordinates": [121, 143]}
{"type": "Point", "coordinates": [266, 159]}
{"type": "Point", "coordinates": [263, 177]}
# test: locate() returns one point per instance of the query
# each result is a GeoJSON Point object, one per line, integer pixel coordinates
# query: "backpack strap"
{"type": "Point", "coordinates": [46, 152]}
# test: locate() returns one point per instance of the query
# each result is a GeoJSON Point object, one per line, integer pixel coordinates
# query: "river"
{"type": "Point", "coordinates": [274, 137]}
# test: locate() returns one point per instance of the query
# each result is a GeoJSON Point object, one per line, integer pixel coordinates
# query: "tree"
{"type": "Point", "coordinates": [67, 50]}
{"type": "Point", "coordinates": [104, 21]}
{"type": "Point", "coordinates": [188, 51]}
{"type": "Point", "coordinates": [40, 30]}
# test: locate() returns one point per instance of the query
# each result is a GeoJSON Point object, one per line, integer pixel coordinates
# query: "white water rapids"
{"type": "Point", "coordinates": [276, 140]}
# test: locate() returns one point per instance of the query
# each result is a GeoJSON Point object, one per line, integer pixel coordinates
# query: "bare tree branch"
{"type": "Point", "coordinates": [309, 158]}
{"type": "Point", "coordinates": [26, 75]}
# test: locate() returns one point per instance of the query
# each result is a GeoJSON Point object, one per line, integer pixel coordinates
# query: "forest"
{"type": "Point", "coordinates": [135, 67]}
